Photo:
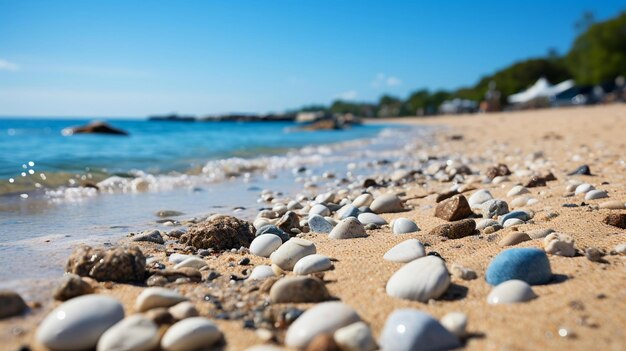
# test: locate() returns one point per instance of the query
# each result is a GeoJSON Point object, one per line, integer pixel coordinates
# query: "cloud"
{"type": "Point", "coordinates": [347, 95]}
{"type": "Point", "coordinates": [382, 80]}
{"type": "Point", "coordinates": [6, 65]}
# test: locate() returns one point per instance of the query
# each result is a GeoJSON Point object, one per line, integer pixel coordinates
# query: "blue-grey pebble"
{"type": "Point", "coordinates": [348, 211]}
{"type": "Point", "coordinates": [319, 224]}
{"type": "Point", "coordinates": [413, 330]}
{"type": "Point", "coordinates": [528, 264]}
{"type": "Point", "coordinates": [519, 214]}
{"type": "Point", "coordinates": [272, 229]}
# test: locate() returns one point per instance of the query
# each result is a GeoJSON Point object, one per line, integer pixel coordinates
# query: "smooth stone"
{"type": "Point", "coordinates": [613, 205]}
{"type": "Point", "coordinates": [493, 208]}
{"type": "Point", "coordinates": [298, 289]}
{"type": "Point", "coordinates": [260, 223]}
{"type": "Point", "coordinates": [193, 262]}
{"type": "Point", "coordinates": [539, 233]}
{"type": "Point", "coordinates": [405, 251]}
{"type": "Point", "coordinates": [11, 304]}
{"type": "Point", "coordinates": [272, 229]}
{"type": "Point", "coordinates": [519, 214]}
{"type": "Point", "coordinates": [559, 244]}
{"type": "Point", "coordinates": [596, 194]}
{"type": "Point", "coordinates": [511, 291]}
{"type": "Point", "coordinates": [420, 280]}
{"type": "Point", "coordinates": [517, 190]}
{"type": "Point", "coordinates": [264, 245]}
{"type": "Point", "coordinates": [153, 236]}
{"type": "Point", "coordinates": [265, 347]}
{"type": "Point", "coordinates": [183, 310]}
{"type": "Point", "coordinates": [461, 272]}
{"type": "Point", "coordinates": [512, 222]}
{"type": "Point", "coordinates": [348, 228]}
{"type": "Point", "coordinates": [583, 188]}
{"type": "Point", "coordinates": [404, 226]}
{"type": "Point", "coordinates": [77, 324]}
{"type": "Point", "coordinates": [312, 264]}
{"type": "Point", "coordinates": [520, 201]}
{"type": "Point", "coordinates": [455, 322]}
{"type": "Point", "coordinates": [620, 249]}
{"type": "Point", "coordinates": [291, 252]}
{"type": "Point", "coordinates": [413, 330]}
{"type": "Point", "coordinates": [319, 224]}
{"type": "Point", "coordinates": [387, 203]}
{"type": "Point", "coordinates": [154, 297]}
{"type": "Point", "coordinates": [479, 197]}
{"type": "Point", "coordinates": [134, 333]}
{"type": "Point", "coordinates": [486, 222]}
{"type": "Point", "coordinates": [261, 273]}
{"type": "Point", "coordinates": [177, 258]}
{"type": "Point", "coordinates": [582, 170]}
{"type": "Point", "coordinates": [348, 211]}
{"type": "Point", "coordinates": [324, 198]}
{"type": "Point", "coordinates": [514, 238]}
{"type": "Point", "coordinates": [363, 200]}
{"type": "Point", "coordinates": [453, 209]}
{"type": "Point", "coordinates": [355, 337]}
{"type": "Point", "coordinates": [528, 264]}
{"type": "Point", "coordinates": [319, 209]}
{"type": "Point", "coordinates": [191, 334]}
{"type": "Point", "coordinates": [323, 318]}
{"type": "Point", "coordinates": [294, 205]}
{"type": "Point", "coordinates": [367, 218]}
{"type": "Point", "coordinates": [455, 230]}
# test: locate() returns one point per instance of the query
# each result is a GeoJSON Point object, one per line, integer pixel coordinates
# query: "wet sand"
{"type": "Point", "coordinates": [588, 299]}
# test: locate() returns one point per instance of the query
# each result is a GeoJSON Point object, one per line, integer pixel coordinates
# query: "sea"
{"type": "Point", "coordinates": [59, 191]}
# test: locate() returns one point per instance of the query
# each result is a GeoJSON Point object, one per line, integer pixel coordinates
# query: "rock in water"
{"type": "Point", "coordinates": [312, 264]}
{"type": "Point", "coordinates": [291, 252]}
{"type": "Point", "coordinates": [413, 330]}
{"type": "Point", "coordinates": [323, 318]}
{"type": "Point", "coordinates": [616, 220]}
{"type": "Point", "coordinates": [153, 236]}
{"type": "Point", "coordinates": [219, 233]}
{"type": "Point", "coordinates": [511, 291]}
{"type": "Point", "coordinates": [387, 203]}
{"type": "Point", "coordinates": [11, 304]}
{"type": "Point", "coordinates": [135, 333]}
{"type": "Point", "coordinates": [319, 224]}
{"type": "Point", "coordinates": [453, 209]}
{"type": "Point", "coordinates": [298, 289]}
{"type": "Point", "coordinates": [77, 324]}
{"type": "Point", "coordinates": [157, 297]}
{"type": "Point", "coordinates": [264, 245]}
{"type": "Point", "coordinates": [405, 251]}
{"type": "Point", "coordinates": [355, 337]}
{"type": "Point", "coordinates": [404, 226]}
{"type": "Point", "coordinates": [191, 334]}
{"type": "Point", "coordinates": [96, 127]}
{"type": "Point", "coordinates": [118, 264]}
{"type": "Point", "coordinates": [528, 264]}
{"type": "Point", "coordinates": [455, 230]}
{"type": "Point", "coordinates": [559, 244]}
{"type": "Point", "coordinates": [420, 280]}
{"type": "Point", "coordinates": [71, 286]}
{"type": "Point", "coordinates": [348, 228]}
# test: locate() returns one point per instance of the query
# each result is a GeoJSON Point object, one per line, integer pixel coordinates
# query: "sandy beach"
{"type": "Point", "coordinates": [582, 308]}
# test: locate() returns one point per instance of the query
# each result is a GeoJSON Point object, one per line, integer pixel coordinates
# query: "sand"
{"type": "Point", "coordinates": [588, 299]}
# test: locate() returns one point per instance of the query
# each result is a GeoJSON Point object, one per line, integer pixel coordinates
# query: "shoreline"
{"type": "Point", "coordinates": [528, 142]}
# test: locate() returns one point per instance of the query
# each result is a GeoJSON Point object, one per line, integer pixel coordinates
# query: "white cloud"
{"type": "Point", "coordinates": [347, 95]}
{"type": "Point", "coordinates": [6, 65]}
{"type": "Point", "coordinates": [382, 80]}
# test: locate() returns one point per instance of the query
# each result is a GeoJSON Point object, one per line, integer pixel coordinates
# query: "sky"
{"type": "Point", "coordinates": [126, 58]}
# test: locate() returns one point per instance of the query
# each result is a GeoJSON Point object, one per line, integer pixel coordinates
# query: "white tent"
{"type": "Point", "coordinates": [541, 88]}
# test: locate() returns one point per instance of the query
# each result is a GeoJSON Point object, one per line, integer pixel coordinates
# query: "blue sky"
{"type": "Point", "coordinates": [134, 58]}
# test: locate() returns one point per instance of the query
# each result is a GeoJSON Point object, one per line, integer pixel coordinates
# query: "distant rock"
{"type": "Point", "coordinates": [94, 128]}
{"type": "Point", "coordinates": [117, 264]}
{"type": "Point", "coordinates": [219, 233]}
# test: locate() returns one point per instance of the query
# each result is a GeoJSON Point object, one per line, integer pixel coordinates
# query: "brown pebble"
{"type": "Point", "coordinates": [299, 289]}
{"type": "Point", "coordinates": [616, 220]}
{"type": "Point", "coordinates": [514, 238]}
{"type": "Point", "coordinates": [323, 342]}
{"type": "Point", "coordinates": [71, 286]}
{"type": "Point", "coordinates": [594, 255]}
{"type": "Point", "coordinates": [446, 195]}
{"type": "Point", "coordinates": [455, 230]}
{"type": "Point", "coordinates": [160, 316]}
{"type": "Point", "coordinates": [11, 304]}
{"type": "Point", "coordinates": [453, 209]}
{"type": "Point", "coordinates": [268, 283]}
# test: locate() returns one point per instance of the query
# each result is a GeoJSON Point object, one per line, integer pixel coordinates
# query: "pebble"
{"type": "Point", "coordinates": [355, 337]}
{"type": "Point", "coordinates": [413, 330]}
{"type": "Point", "coordinates": [387, 203]}
{"type": "Point", "coordinates": [319, 224]}
{"type": "Point", "coordinates": [514, 238]}
{"type": "Point", "coordinates": [72, 285]}
{"type": "Point", "coordinates": [620, 249]}
{"type": "Point", "coordinates": [456, 323]}
{"type": "Point", "coordinates": [272, 229]}
{"type": "Point", "coordinates": [363, 200]}
{"type": "Point", "coordinates": [593, 254]}
{"type": "Point", "coordinates": [405, 251]}
{"type": "Point", "coordinates": [493, 208]}
{"type": "Point", "coordinates": [348, 211]}
{"type": "Point", "coordinates": [479, 197]}
{"type": "Point", "coordinates": [153, 236]}
{"type": "Point", "coordinates": [348, 228]}
{"type": "Point", "coordinates": [323, 342]}
{"type": "Point", "coordinates": [312, 264]}
{"type": "Point", "coordinates": [319, 209]}
{"type": "Point", "coordinates": [613, 205]}
{"type": "Point", "coordinates": [583, 188]}
{"type": "Point", "coordinates": [193, 262]}
{"type": "Point", "coordinates": [540, 233]}
{"type": "Point", "coordinates": [155, 297]}
{"type": "Point", "coordinates": [455, 230]}
{"type": "Point", "coordinates": [191, 334]}
{"type": "Point", "coordinates": [453, 209]}
{"type": "Point", "coordinates": [511, 222]}
{"type": "Point", "coordinates": [559, 244]}
{"type": "Point", "coordinates": [486, 222]}
{"type": "Point", "coordinates": [596, 194]}
{"type": "Point", "coordinates": [177, 258]}
{"type": "Point", "coordinates": [262, 272]}
{"type": "Point", "coordinates": [323, 318]}
{"type": "Point", "coordinates": [461, 272]}
{"type": "Point", "coordinates": [298, 289]}
{"type": "Point", "coordinates": [291, 252]}
{"type": "Point", "coordinates": [135, 333]}
{"type": "Point", "coordinates": [616, 219]}
{"type": "Point", "coordinates": [517, 190]}
{"type": "Point", "coordinates": [11, 304]}
{"type": "Point", "coordinates": [528, 264]}
{"type": "Point", "coordinates": [511, 291]}
{"type": "Point", "coordinates": [420, 280]}
{"type": "Point", "coordinates": [520, 201]}
{"type": "Point", "coordinates": [264, 245]}
{"type": "Point", "coordinates": [77, 324]}
{"type": "Point", "coordinates": [367, 218]}
{"type": "Point", "coordinates": [519, 214]}
{"type": "Point", "coordinates": [183, 310]}
{"type": "Point", "coordinates": [404, 226]}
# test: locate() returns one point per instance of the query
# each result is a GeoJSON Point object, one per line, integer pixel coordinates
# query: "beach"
{"type": "Point", "coordinates": [581, 308]}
